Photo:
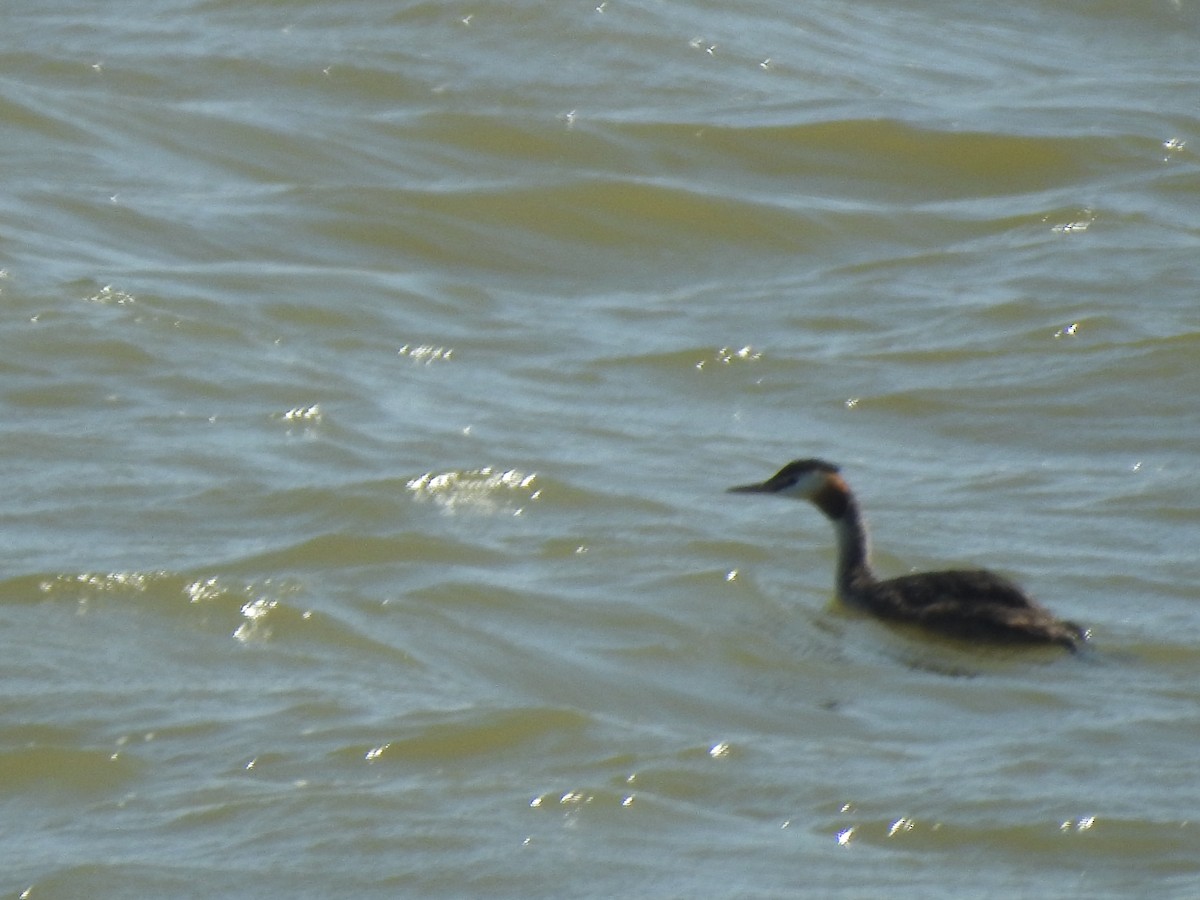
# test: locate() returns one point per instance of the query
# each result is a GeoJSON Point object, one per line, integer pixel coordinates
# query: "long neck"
{"type": "Point", "coordinates": [854, 564]}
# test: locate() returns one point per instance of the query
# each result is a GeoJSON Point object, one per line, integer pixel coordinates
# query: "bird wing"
{"type": "Point", "coordinates": [976, 604]}
{"type": "Point", "coordinates": [970, 603]}
{"type": "Point", "coordinates": [976, 587]}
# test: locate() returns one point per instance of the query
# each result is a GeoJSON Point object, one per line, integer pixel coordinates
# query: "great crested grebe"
{"type": "Point", "coordinates": [974, 604]}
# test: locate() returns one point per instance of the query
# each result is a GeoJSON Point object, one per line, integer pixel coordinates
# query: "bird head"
{"type": "Point", "coordinates": [805, 479]}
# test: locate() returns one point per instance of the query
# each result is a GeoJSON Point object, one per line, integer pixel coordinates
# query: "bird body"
{"type": "Point", "coordinates": [972, 603]}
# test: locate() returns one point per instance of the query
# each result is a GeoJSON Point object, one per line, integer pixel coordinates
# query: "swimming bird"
{"type": "Point", "coordinates": [973, 604]}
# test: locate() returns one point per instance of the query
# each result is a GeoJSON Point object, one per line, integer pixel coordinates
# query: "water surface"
{"type": "Point", "coordinates": [372, 375]}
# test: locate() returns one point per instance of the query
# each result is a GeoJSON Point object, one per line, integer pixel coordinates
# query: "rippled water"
{"type": "Point", "coordinates": [372, 375]}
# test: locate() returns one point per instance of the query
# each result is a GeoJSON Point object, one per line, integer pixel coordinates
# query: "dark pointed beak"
{"type": "Point", "coordinates": [763, 487]}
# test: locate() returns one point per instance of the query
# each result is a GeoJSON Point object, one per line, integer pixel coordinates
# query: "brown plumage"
{"type": "Point", "coordinates": [973, 604]}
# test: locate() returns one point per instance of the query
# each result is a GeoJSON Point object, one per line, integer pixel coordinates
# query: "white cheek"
{"type": "Point", "coordinates": [806, 486]}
